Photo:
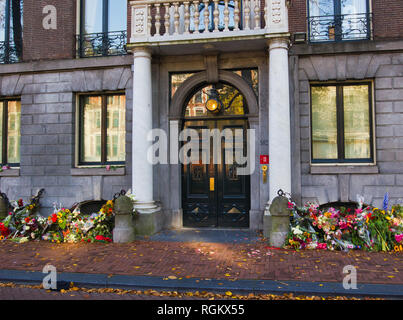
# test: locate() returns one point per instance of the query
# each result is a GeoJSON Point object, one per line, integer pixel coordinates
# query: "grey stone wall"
{"type": "Point", "coordinates": [343, 183]}
{"type": "Point", "coordinates": [48, 110]}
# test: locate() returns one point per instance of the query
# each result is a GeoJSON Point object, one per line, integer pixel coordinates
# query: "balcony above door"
{"type": "Point", "coordinates": [193, 26]}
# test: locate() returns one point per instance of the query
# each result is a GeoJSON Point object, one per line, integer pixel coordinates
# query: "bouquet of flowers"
{"type": "Point", "coordinates": [364, 228]}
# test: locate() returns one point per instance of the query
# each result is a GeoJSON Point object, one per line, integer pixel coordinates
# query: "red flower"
{"type": "Point", "coordinates": [102, 238]}
{"type": "Point", "coordinates": [54, 217]}
{"type": "Point", "coordinates": [27, 219]}
{"type": "Point", "coordinates": [20, 203]}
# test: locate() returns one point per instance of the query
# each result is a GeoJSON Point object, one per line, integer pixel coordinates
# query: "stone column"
{"type": "Point", "coordinates": [142, 170]}
{"type": "Point", "coordinates": [279, 118]}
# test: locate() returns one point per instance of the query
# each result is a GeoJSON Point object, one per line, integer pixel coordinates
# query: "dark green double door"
{"type": "Point", "coordinates": [213, 194]}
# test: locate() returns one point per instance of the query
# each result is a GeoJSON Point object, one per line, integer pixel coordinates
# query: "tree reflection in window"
{"type": "Point", "coordinates": [232, 101]}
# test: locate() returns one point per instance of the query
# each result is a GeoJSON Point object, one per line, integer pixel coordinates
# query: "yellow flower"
{"type": "Point", "coordinates": [1, 238]}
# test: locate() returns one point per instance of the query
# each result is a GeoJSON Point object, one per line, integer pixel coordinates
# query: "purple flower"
{"type": "Point", "coordinates": [386, 201]}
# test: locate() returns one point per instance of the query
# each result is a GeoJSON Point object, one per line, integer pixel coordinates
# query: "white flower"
{"type": "Point", "coordinates": [33, 235]}
{"type": "Point", "coordinates": [297, 231]}
{"type": "Point", "coordinates": [24, 239]}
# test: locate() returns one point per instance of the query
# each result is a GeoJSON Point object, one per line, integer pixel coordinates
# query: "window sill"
{"type": "Point", "coordinates": [344, 169]}
{"type": "Point", "coordinates": [121, 171]}
{"type": "Point", "coordinates": [10, 173]}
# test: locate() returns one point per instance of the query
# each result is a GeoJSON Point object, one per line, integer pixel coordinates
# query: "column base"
{"type": "Point", "coordinates": [148, 221]}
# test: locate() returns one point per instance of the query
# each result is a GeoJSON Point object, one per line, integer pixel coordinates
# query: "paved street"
{"type": "Point", "coordinates": [184, 260]}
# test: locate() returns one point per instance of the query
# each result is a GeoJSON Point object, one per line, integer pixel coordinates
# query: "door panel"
{"type": "Point", "coordinates": [197, 200]}
{"type": "Point", "coordinates": [227, 202]}
{"type": "Point", "coordinates": [233, 193]}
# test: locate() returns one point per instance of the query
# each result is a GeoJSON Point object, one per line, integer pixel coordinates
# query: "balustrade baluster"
{"type": "Point", "coordinates": [196, 15]}
{"type": "Point", "coordinates": [157, 20]}
{"type": "Point", "coordinates": [216, 14]}
{"type": "Point", "coordinates": [166, 18]}
{"type": "Point", "coordinates": [257, 15]}
{"type": "Point", "coordinates": [187, 17]}
{"type": "Point", "coordinates": [226, 15]}
{"type": "Point", "coordinates": [247, 15]}
{"type": "Point", "coordinates": [236, 15]}
{"type": "Point", "coordinates": [206, 15]}
{"type": "Point", "coordinates": [176, 17]}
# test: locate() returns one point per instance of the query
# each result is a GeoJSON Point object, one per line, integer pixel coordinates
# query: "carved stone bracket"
{"type": "Point", "coordinates": [277, 16]}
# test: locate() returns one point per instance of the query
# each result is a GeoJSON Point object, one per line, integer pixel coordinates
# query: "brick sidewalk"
{"type": "Point", "coordinates": [202, 260]}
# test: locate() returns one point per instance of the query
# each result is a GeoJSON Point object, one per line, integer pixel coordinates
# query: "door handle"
{"type": "Point", "coordinates": [212, 184]}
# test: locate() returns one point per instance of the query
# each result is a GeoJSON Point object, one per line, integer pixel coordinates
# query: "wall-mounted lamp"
{"type": "Point", "coordinates": [214, 103]}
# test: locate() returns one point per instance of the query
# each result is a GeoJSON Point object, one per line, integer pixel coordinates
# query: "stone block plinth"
{"type": "Point", "coordinates": [124, 226]}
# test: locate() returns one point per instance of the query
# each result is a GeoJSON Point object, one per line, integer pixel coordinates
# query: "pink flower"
{"type": "Point", "coordinates": [399, 237]}
{"type": "Point", "coordinates": [108, 168]}
{"type": "Point", "coordinates": [322, 246]}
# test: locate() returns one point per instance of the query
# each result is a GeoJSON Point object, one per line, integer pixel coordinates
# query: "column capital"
{"type": "Point", "coordinates": [143, 52]}
{"type": "Point", "coordinates": [278, 43]}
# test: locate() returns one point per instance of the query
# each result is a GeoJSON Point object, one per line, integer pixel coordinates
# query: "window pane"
{"type": "Point", "coordinates": [2, 19]}
{"type": "Point", "coordinates": [13, 138]}
{"type": "Point", "coordinates": [116, 132]}
{"type": "Point", "coordinates": [357, 122]}
{"type": "Point", "coordinates": [354, 21]}
{"type": "Point", "coordinates": [91, 130]}
{"type": "Point", "coordinates": [117, 15]}
{"type": "Point", "coordinates": [177, 79]}
{"type": "Point", "coordinates": [321, 20]}
{"type": "Point", "coordinates": [321, 8]}
{"type": "Point", "coordinates": [324, 123]}
{"type": "Point", "coordinates": [93, 16]}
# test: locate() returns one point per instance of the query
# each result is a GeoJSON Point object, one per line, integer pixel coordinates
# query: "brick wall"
{"type": "Point", "coordinates": [42, 44]}
{"type": "Point", "coordinates": [387, 19]}
{"type": "Point", "coordinates": [297, 14]}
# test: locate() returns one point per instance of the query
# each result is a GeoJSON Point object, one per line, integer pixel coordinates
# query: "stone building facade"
{"type": "Point", "coordinates": [59, 66]}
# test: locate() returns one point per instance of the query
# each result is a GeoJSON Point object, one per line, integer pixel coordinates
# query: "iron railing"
{"type": "Point", "coordinates": [101, 44]}
{"type": "Point", "coordinates": [340, 27]}
{"type": "Point", "coordinates": [10, 52]}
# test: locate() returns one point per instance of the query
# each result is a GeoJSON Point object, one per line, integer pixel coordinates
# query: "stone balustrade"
{"type": "Point", "coordinates": [176, 20]}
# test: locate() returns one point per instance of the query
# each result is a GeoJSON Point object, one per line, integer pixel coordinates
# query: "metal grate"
{"type": "Point", "coordinates": [101, 44]}
{"type": "Point", "coordinates": [340, 27]}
